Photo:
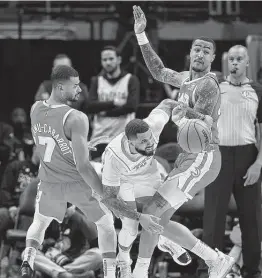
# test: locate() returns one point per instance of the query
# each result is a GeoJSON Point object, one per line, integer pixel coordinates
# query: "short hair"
{"type": "Point", "coordinates": [206, 39]}
{"type": "Point", "coordinates": [60, 73]}
{"type": "Point", "coordinates": [61, 56]}
{"type": "Point", "coordinates": [239, 46]}
{"type": "Point", "coordinates": [135, 127]}
{"type": "Point", "coordinates": [111, 47]}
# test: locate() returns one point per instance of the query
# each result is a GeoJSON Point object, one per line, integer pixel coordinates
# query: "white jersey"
{"type": "Point", "coordinates": [121, 167]}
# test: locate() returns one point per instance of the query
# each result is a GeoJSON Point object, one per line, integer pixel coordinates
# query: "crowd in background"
{"type": "Point", "coordinates": [70, 249]}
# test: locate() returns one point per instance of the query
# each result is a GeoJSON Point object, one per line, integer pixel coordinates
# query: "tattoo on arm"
{"type": "Point", "coordinates": [167, 105]}
{"type": "Point", "coordinates": [157, 68]}
{"type": "Point", "coordinates": [119, 206]}
{"type": "Point", "coordinates": [206, 102]}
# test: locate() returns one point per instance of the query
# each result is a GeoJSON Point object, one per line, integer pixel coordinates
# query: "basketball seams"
{"type": "Point", "coordinates": [195, 123]}
{"type": "Point", "coordinates": [187, 137]}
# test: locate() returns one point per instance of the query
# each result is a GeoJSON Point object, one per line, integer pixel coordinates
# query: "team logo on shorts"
{"type": "Point", "coordinates": [196, 172]}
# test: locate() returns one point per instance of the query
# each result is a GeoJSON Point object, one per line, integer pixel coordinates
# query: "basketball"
{"type": "Point", "coordinates": [193, 136]}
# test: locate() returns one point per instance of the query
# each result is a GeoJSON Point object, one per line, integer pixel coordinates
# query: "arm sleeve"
{"type": "Point", "coordinates": [94, 105]}
{"type": "Point", "coordinates": [157, 119]}
{"type": "Point", "coordinates": [132, 100]}
{"type": "Point", "coordinates": [111, 170]}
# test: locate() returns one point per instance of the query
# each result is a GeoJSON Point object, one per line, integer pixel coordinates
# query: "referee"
{"type": "Point", "coordinates": [241, 109]}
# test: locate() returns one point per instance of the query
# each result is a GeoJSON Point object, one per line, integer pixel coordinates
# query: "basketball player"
{"type": "Point", "coordinates": [199, 90]}
{"type": "Point", "coordinates": [66, 175]}
{"type": "Point", "coordinates": [130, 172]}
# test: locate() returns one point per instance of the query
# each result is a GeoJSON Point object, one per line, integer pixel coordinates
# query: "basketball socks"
{"type": "Point", "coordinates": [109, 266]}
{"type": "Point", "coordinates": [29, 256]}
{"type": "Point", "coordinates": [141, 268]}
{"type": "Point", "coordinates": [204, 252]}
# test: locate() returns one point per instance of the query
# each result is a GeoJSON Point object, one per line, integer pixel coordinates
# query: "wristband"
{"type": "Point", "coordinates": [142, 38]}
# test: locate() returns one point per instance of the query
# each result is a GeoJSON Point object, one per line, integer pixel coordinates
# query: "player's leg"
{"type": "Point", "coordinates": [129, 230]}
{"type": "Point", "coordinates": [80, 194]}
{"type": "Point", "coordinates": [171, 195]}
{"type": "Point", "coordinates": [49, 205]}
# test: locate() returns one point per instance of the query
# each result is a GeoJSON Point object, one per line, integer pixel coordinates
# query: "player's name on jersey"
{"type": "Point", "coordinates": [142, 163]}
{"type": "Point", "coordinates": [37, 129]}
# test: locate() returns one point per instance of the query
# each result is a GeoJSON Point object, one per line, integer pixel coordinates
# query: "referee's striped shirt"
{"type": "Point", "coordinates": [241, 107]}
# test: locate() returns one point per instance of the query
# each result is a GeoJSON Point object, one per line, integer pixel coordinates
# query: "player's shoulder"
{"type": "Point", "coordinates": [33, 107]}
{"type": "Point", "coordinates": [184, 75]}
{"type": "Point", "coordinates": [76, 118]}
{"type": "Point", "coordinates": [209, 81]}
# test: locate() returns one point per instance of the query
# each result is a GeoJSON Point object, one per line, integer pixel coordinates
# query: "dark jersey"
{"type": "Point", "coordinates": [57, 163]}
{"type": "Point", "coordinates": [189, 93]}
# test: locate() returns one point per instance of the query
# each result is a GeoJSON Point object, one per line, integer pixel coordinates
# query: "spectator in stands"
{"type": "Point", "coordinates": [22, 132]}
{"type": "Point", "coordinates": [45, 87]}
{"type": "Point", "coordinates": [114, 96]}
{"type": "Point", "coordinates": [72, 250]}
{"type": "Point", "coordinates": [241, 106]}
{"type": "Point", "coordinates": [17, 175]}
{"type": "Point", "coordinates": [7, 142]}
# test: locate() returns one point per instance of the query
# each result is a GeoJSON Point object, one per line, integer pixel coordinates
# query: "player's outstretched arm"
{"type": "Point", "coordinates": [153, 62]}
{"type": "Point", "coordinates": [78, 126]}
{"type": "Point", "coordinates": [119, 207]}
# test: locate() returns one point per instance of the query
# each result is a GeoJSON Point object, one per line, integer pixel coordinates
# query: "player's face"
{"type": "Point", "coordinates": [237, 61]}
{"type": "Point", "coordinates": [110, 61]}
{"type": "Point", "coordinates": [201, 55]}
{"type": "Point", "coordinates": [144, 143]}
{"type": "Point", "coordinates": [62, 62]}
{"type": "Point", "coordinates": [70, 89]}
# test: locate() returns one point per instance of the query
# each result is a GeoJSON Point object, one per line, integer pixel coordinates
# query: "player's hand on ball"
{"type": "Point", "coordinates": [178, 113]}
{"type": "Point", "coordinates": [150, 223]}
{"type": "Point", "coordinates": [140, 20]}
{"type": "Point", "coordinates": [209, 121]}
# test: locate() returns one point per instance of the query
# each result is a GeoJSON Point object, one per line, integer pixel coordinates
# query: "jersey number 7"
{"type": "Point", "coordinates": [50, 146]}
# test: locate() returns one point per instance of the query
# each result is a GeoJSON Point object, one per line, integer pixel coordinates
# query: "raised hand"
{"type": "Point", "coordinates": [140, 20]}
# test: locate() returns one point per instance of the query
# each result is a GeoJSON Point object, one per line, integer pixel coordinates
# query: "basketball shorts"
{"type": "Point", "coordinates": [138, 190]}
{"type": "Point", "coordinates": [192, 173]}
{"type": "Point", "coordinates": [52, 199]}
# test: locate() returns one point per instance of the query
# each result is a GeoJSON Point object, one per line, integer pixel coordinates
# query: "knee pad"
{"type": "Point", "coordinates": [37, 229]}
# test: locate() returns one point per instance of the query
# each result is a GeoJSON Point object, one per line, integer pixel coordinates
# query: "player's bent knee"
{"type": "Point", "coordinates": [37, 229]}
{"type": "Point", "coordinates": [131, 226]}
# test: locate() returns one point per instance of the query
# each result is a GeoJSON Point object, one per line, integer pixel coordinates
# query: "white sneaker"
{"type": "Point", "coordinates": [235, 272]}
{"type": "Point", "coordinates": [178, 253]}
{"type": "Point", "coordinates": [124, 269]}
{"type": "Point", "coordinates": [221, 267]}
{"type": "Point", "coordinates": [142, 274]}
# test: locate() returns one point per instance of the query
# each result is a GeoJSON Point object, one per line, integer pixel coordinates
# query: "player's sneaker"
{"type": "Point", "coordinates": [124, 269]}
{"type": "Point", "coordinates": [235, 272]}
{"type": "Point", "coordinates": [142, 274]}
{"type": "Point", "coordinates": [221, 266]}
{"type": "Point", "coordinates": [178, 253]}
{"type": "Point", "coordinates": [26, 270]}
